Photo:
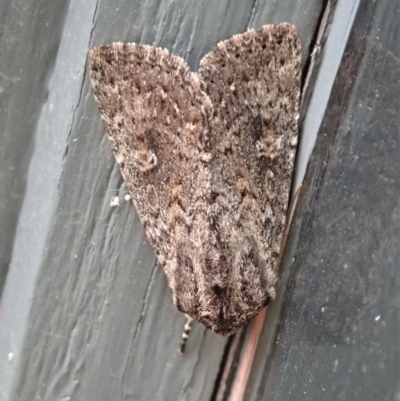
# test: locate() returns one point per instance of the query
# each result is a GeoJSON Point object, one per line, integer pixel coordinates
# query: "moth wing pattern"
{"type": "Point", "coordinates": [157, 119]}
{"type": "Point", "coordinates": [253, 82]}
{"type": "Point", "coordinates": [208, 158]}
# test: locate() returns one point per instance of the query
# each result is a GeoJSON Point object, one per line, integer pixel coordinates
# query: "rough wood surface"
{"type": "Point", "coordinates": [25, 67]}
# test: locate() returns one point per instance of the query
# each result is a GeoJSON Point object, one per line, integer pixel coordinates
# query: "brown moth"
{"type": "Point", "coordinates": [208, 159]}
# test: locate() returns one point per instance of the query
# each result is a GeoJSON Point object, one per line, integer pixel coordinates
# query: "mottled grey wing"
{"type": "Point", "coordinates": [253, 82]}
{"type": "Point", "coordinates": [157, 119]}
{"type": "Point", "coordinates": [208, 160]}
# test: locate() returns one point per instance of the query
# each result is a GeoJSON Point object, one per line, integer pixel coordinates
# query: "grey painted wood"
{"type": "Point", "coordinates": [339, 331]}
{"type": "Point", "coordinates": [88, 314]}
{"type": "Point", "coordinates": [339, 18]}
{"type": "Point", "coordinates": [25, 65]}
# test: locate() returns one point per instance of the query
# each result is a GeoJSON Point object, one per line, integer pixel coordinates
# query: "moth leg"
{"type": "Point", "coordinates": [185, 334]}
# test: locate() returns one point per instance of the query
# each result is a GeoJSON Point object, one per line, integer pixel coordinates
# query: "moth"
{"type": "Point", "coordinates": [208, 159]}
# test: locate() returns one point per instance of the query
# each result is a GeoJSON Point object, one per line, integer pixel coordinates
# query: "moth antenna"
{"type": "Point", "coordinates": [185, 334]}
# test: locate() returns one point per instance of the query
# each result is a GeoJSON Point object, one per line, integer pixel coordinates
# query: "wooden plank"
{"type": "Point", "coordinates": [26, 62]}
{"type": "Point", "coordinates": [102, 325]}
{"type": "Point", "coordinates": [24, 73]}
